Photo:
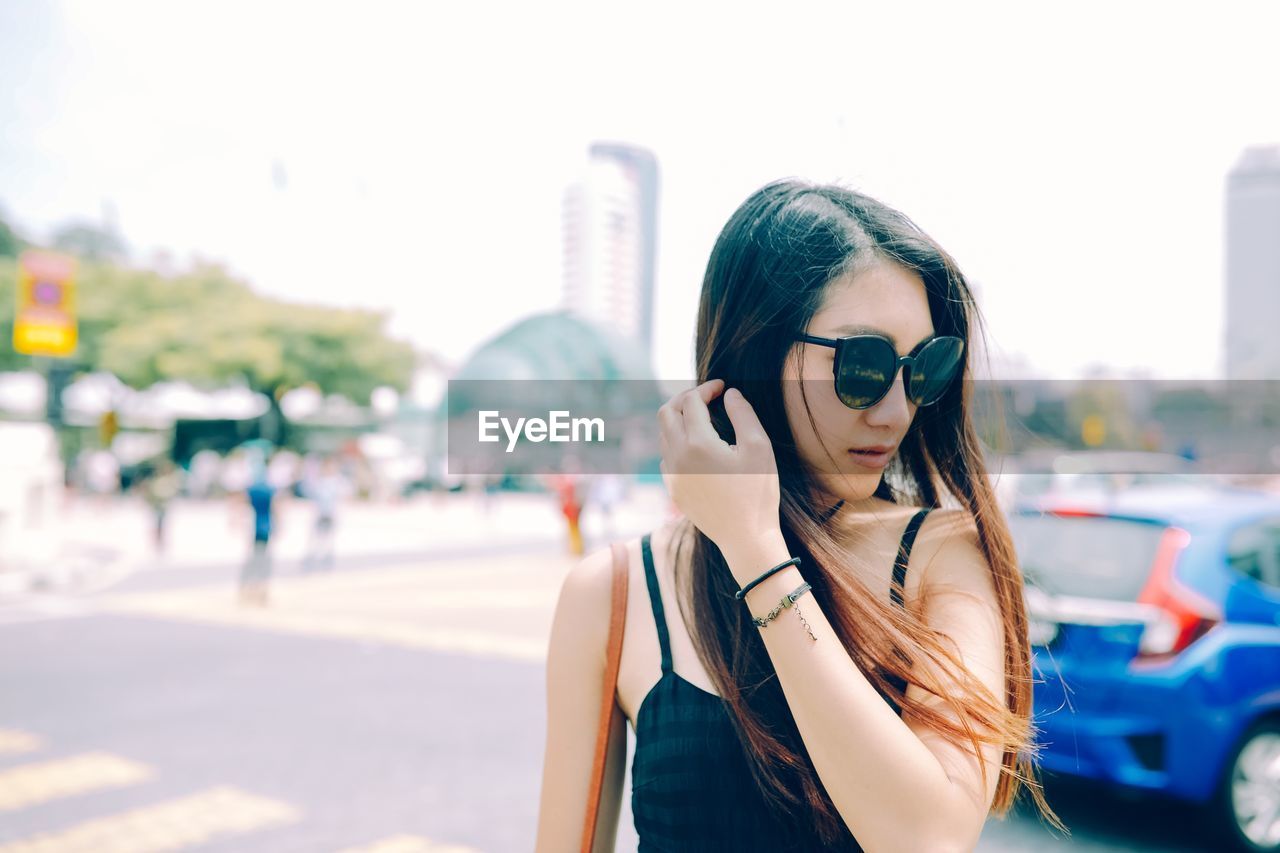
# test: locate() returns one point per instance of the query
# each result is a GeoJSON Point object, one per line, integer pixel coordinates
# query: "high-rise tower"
{"type": "Point", "coordinates": [610, 220]}
{"type": "Point", "coordinates": [1253, 266]}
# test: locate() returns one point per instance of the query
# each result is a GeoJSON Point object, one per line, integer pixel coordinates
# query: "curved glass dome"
{"type": "Point", "coordinates": [556, 345]}
{"type": "Point", "coordinates": [555, 361]}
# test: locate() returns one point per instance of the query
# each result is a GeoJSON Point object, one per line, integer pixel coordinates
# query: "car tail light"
{"type": "Point", "coordinates": [1076, 512]}
{"type": "Point", "coordinates": [1182, 614]}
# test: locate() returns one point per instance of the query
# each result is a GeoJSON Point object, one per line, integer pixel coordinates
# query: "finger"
{"type": "Point", "coordinates": [706, 392]}
{"type": "Point", "coordinates": [697, 417]}
{"type": "Point", "coordinates": [665, 450]}
{"type": "Point", "coordinates": [746, 426]}
{"type": "Point", "coordinates": [671, 437]}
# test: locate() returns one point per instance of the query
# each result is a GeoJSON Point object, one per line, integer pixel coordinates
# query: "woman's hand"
{"type": "Point", "coordinates": [729, 492]}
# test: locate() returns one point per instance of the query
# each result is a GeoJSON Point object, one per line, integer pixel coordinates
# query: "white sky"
{"type": "Point", "coordinates": [1072, 158]}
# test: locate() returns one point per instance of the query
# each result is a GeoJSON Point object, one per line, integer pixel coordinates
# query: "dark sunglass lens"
{"type": "Point", "coordinates": [936, 365]}
{"type": "Point", "coordinates": [865, 372]}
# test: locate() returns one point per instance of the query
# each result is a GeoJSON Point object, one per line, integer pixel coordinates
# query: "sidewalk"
{"type": "Point", "coordinates": [94, 543]}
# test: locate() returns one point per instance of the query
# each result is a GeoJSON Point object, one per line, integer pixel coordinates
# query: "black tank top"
{"type": "Point", "coordinates": [691, 786]}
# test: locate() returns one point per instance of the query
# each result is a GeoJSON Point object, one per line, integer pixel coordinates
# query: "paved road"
{"type": "Point", "coordinates": [395, 705]}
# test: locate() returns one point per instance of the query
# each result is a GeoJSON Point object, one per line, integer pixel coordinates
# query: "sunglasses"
{"type": "Point", "coordinates": [866, 365]}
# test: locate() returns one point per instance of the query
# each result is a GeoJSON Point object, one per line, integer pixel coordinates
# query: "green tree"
{"type": "Point", "coordinates": [10, 245]}
{"type": "Point", "coordinates": [9, 359]}
{"type": "Point", "coordinates": [208, 328]}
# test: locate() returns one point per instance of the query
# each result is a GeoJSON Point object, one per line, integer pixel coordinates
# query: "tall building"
{"type": "Point", "coordinates": [610, 223]}
{"type": "Point", "coordinates": [1253, 266]}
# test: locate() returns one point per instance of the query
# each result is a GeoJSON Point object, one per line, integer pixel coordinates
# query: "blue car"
{"type": "Point", "coordinates": [1155, 629]}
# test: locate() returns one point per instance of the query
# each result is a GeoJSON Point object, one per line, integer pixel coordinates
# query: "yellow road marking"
{"type": "Point", "coordinates": [409, 844]}
{"type": "Point", "coordinates": [490, 608]}
{"type": "Point", "coordinates": [13, 741]}
{"type": "Point", "coordinates": [31, 784]}
{"type": "Point", "coordinates": [170, 825]}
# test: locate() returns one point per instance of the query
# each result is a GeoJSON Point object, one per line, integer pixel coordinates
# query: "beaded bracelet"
{"type": "Point", "coordinates": [741, 594]}
{"type": "Point", "coordinates": [788, 600]}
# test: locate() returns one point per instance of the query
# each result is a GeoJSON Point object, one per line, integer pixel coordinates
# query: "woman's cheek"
{"type": "Point", "coordinates": [816, 456]}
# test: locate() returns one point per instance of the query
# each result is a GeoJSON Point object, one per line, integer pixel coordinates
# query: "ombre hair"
{"type": "Point", "coordinates": [767, 276]}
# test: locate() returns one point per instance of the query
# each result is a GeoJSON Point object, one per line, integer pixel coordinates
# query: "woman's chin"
{"type": "Point", "coordinates": [850, 488]}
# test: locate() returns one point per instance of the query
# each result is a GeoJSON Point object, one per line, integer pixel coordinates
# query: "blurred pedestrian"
{"type": "Point", "coordinates": [607, 491]}
{"type": "Point", "coordinates": [326, 488]}
{"type": "Point", "coordinates": [568, 488]}
{"type": "Point", "coordinates": [159, 489]}
{"type": "Point", "coordinates": [256, 574]}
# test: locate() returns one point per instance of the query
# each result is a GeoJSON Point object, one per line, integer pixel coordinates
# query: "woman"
{"type": "Point", "coordinates": [891, 709]}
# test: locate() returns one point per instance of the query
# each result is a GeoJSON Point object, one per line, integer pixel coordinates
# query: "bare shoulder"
{"type": "Point", "coordinates": [955, 559]}
{"type": "Point", "coordinates": [587, 589]}
{"type": "Point", "coordinates": [588, 583]}
{"type": "Point", "coordinates": [584, 605]}
{"type": "Point", "coordinates": [948, 522]}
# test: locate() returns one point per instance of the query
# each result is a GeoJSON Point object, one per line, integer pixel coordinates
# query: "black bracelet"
{"type": "Point", "coordinates": [740, 594]}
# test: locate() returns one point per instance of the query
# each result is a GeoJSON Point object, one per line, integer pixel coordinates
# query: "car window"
{"type": "Point", "coordinates": [1087, 557]}
{"type": "Point", "coordinates": [1254, 551]}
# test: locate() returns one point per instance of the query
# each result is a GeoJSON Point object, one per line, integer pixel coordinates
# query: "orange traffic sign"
{"type": "Point", "coordinates": [45, 321]}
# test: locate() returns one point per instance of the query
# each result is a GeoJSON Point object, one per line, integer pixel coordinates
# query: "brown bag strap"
{"type": "Point", "coordinates": [609, 705]}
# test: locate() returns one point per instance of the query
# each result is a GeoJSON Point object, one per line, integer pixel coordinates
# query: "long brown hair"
{"type": "Point", "coordinates": [766, 278]}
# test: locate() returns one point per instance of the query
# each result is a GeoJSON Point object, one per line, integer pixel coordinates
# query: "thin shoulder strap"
{"type": "Point", "coordinates": [609, 705]}
{"type": "Point", "coordinates": [904, 554]}
{"type": "Point", "coordinates": [655, 598]}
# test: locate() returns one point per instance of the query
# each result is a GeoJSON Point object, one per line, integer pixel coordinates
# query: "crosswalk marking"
{"type": "Point", "coordinates": [31, 784]}
{"type": "Point", "coordinates": [409, 844]}
{"type": "Point", "coordinates": [455, 608]}
{"type": "Point", "coordinates": [13, 741]}
{"type": "Point", "coordinates": [480, 643]}
{"type": "Point", "coordinates": [42, 608]}
{"type": "Point", "coordinates": [169, 825]}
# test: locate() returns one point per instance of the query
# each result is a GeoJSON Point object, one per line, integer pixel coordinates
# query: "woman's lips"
{"type": "Point", "coordinates": [871, 460]}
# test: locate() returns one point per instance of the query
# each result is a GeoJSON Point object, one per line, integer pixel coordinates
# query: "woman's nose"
{"type": "Point", "coordinates": [894, 410]}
